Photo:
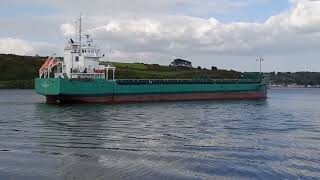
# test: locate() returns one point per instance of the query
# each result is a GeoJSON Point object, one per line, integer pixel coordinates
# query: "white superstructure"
{"type": "Point", "coordinates": [81, 60]}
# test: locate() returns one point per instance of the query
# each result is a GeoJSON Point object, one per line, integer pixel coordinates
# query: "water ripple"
{"type": "Point", "coordinates": [277, 138]}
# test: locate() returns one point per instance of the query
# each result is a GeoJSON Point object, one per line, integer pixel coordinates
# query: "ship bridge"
{"type": "Point", "coordinates": [90, 50]}
{"type": "Point", "coordinates": [81, 60]}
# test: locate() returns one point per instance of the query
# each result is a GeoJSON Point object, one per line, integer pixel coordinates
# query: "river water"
{"type": "Point", "coordinates": [277, 138]}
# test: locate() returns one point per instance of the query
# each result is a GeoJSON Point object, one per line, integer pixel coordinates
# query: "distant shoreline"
{"type": "Point", "coordinates": [293, 87]}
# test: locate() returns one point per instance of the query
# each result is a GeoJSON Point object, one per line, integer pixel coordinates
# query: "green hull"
{"type": "Point", "coordinates": [111, 90]}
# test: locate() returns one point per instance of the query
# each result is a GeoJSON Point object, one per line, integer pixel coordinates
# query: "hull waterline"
{"type": "Point", "coordinates": [156, 97]}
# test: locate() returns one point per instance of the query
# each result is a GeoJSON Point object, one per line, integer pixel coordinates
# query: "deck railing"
{"type": "Point", "coordinates": [87, 75]}
{"type": "Point", "coordinates": [187, 81]}
{"type": "Point", "coordinates": [58, 75]}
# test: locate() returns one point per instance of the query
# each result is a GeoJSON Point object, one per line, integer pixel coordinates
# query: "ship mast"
{"type": "Point", "coordinates": [260, 60]}
{"type": "Point", "coordinates": [80, 32]}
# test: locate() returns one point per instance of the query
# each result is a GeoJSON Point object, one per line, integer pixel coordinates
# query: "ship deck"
{"type": "Point", "coordinates": [185, 81]}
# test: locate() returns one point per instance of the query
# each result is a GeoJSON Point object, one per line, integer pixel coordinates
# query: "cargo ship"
{"type": "Point", "coordinates": [79, 77]}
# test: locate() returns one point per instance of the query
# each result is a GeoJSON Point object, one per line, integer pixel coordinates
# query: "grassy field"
{"type": "Point", "coordinates": [155, 71]}
{"type": "Point", "coordinates": [20, 71]}
{"type": "Point", "coordinates": [129, 65]}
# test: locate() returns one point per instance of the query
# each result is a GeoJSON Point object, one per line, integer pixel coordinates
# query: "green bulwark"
{"type": "Point", "coordinates": [102, 87]}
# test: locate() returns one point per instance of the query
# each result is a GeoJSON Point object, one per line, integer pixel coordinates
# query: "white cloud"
{"type": "Point", "coordinates": [68, 29]}
{"type": "Point", "coordinates": [15, 46]}
{"type": "Point", "coordinates": [293, 30]}
{"type": "Point", "coordinates": [23, 47]}
{"type": "Point", "coordinates": [139, 6]}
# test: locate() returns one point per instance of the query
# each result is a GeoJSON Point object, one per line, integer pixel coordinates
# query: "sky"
{"type": "Point", "coordinates": [229, 34]}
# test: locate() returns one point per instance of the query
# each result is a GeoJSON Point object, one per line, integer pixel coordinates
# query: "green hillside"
{"type": "Point", "coordinates": [300, 78]}
{"type": "Point", "coordinates": [155, 71]}
{"type": "Point", "coordinates": [20, 71]}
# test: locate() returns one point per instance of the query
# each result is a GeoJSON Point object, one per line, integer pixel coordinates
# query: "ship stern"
{"type": "Point", "coordinates": [49, 87]}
